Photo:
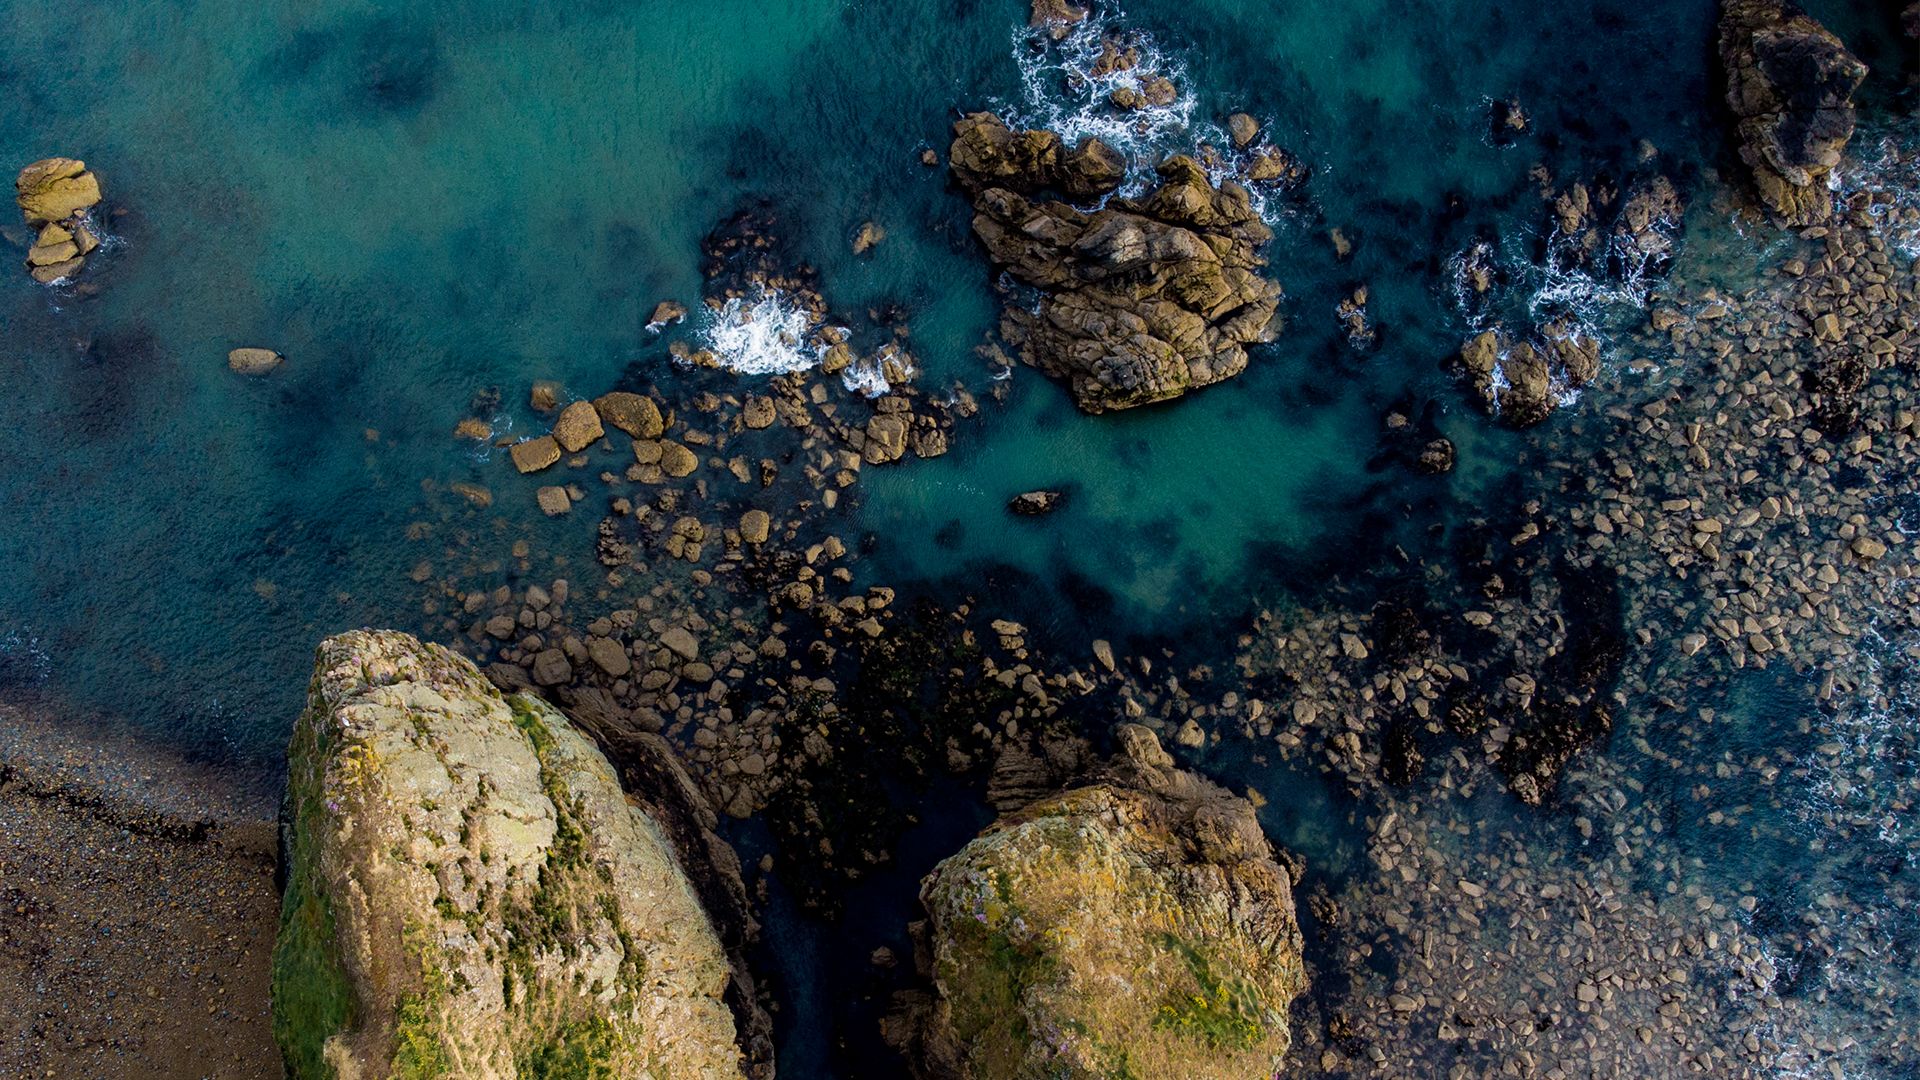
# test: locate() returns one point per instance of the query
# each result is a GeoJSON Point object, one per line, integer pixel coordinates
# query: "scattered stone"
{"type": "Point", "coordinates": [680, 641]}
{"type": "Point", "coordinates": [609, 656]}
{"type": "Point", "coordinates": [635, 414]}
{"type": "Point", "coordinates": [755, 526]}
{"type": "Point", "coordinates": [553, 501]}
{"type": "Point", "coordinates": [666, 313]}
{"type": "Point", "coordinates": [577, 427]}
{"type": "Point", "coordinates": [675, 459]}
{"type": "Point", "coordinates": [1034, 503]}
{"type": "Point", "coordinates": [868, 238]}
{"type": "Point", "coordinates": [253, 361]}
{"type": "Point", "coordinates": [533, 455]}
{"type": "Point", "coordinates": [1243, 129]}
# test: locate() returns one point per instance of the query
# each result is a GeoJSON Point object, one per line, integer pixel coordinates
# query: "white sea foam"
{"type": "Point", "coordinates": [867, 375]}
{"type": "Point", "coordinates": [1888, 170]}
{"type": "Point", "coordinates": [766, 333]}
{"type": "Point", "coordinates": [1063, 91]}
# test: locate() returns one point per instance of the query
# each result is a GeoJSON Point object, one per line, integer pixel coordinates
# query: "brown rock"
{"type": "Point", "coordinates": [676, 460]}
{"type": "Point", "coordinates": [55, 189]}
{"type": "Point", "coordinates": [635, 414]}
{"type": "Point", "coordinates": [1790, 85]}
{"type": "Point", "coordinates": [473, 428]}
{"type": "Point", "coordinates": [886, 438]}
{"type": "Point", "coordinates": [609, 656]}
{"type": "Point", "coordinates": [532, 455]}
{"type": "Point", "coordinates": [758, 412]}
{"type": "Point", "coordinates": [253, 361]}
{"type": "Point", "coordinates": [868, 238]}
{"type": "Point", "coordinates": [1243, 129]}
{"type": "Point", "coordinates": [577, 427]}
{"type": "Point", "coordinates": [987, 154]}
{"type": "Point", "coordinates": [755, 526]}
{"type": "Point", "coordinates": [666, 313]}
{"type": "Point", "coordinates": [544, 396]}
{"type": "Point", "coordinates": [553, 500]}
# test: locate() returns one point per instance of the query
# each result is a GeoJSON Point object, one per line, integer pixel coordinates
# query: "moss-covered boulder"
{"type": "Point", "coordinates": [1135, 926]}
{"type": "Point", "coordinates": [469, 892]}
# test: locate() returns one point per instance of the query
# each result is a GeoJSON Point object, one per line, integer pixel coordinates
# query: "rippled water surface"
{"type": "Point", "coordinates": [416, 202]}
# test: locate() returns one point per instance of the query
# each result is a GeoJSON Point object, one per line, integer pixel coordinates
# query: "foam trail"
{"type": "Point", "coordinates": [765, 333]}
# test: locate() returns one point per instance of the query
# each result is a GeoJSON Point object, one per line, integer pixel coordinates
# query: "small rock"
{"type": "Point", "coordinates": [253, 361]}
{"type": "Point", "coordinates": [867, 238]}
{"type": "Point", "coordinates": [635, 414]}
{"type": "Point", "coordinates": [609, 657]}
{"type": "Point", "coordinates": [681, 642]}
{"type": "Point", "coordinates": [676, 460]}
{"type": "Point", "coordinates": [550, 668]}
{"type": "Point", "coordinates": [577, 427]}
{"type": "Point", "coordinates": [1243, 128]}
{"type": "Point", "coordinates": [755, 526]}
{"type": "Point", "coordinates": [544, 396]}
{"type": "Point", "coordinates": [532, 455]}
{"type": "Point", "coordinates": [1034, 503]}
{"type": "Point", "coordinates": [667, 313]}
{"type": "Point", "coordinates": [553, 501]}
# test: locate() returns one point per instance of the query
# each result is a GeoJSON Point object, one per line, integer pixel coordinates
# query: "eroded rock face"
{"type": "Point", "coordinates": [471, 894]}
{"type": "Point", "coordinates": [1142, 299]}
{"type": "Point", "coordinates": [55, 196]}
{"type": "Point", "coordinates": [1138, 925]}
{"type": "Point", "coordinates": [1790, 84]}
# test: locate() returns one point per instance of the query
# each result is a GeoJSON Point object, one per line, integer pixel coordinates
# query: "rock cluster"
{"type": "Point", "coordinates": [1790, 85]}
{"type": "Point", "coordinates": [470, 893]}
{"type": "Point", "coordinates": [56, 196]}
{"type": "Point", "coordinates": [1142, 299]}
{"type": "Point", "coordinates": [1523, 381]}
{"type": "Point", "coordinates": [1136, 925]}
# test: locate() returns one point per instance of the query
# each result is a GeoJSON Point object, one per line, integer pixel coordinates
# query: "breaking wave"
{"type": "Point", "coordinates": [765, 333]}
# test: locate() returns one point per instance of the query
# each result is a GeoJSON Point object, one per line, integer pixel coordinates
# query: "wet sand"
{"type": "Point", "coordinates": [137, 909]}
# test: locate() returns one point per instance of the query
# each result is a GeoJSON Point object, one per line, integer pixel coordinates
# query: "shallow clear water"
{"type": "Point", "coordinates": [418, 202]}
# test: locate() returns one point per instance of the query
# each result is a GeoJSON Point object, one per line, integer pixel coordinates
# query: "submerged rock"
{"type": "Point", "coordinates": [1035, 503]}
{"type": "Point", "coordinates": [1137, 925]}
{"type": "Point", "coordinates": [1790, 84]}
{"type": "Point", "coordinates": [1142, 299]}
{"type": "Point", "coordinates": [470, 893]}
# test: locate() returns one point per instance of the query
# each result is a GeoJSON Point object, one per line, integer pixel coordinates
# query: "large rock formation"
{"type": "Point", "coordinates": [56, 196]}
{"type": "Point", "coordinates": [1790, 84]}
{"type": "Point", "coordinates": [1137, 925]}
{"type": "Point", "coordinates": [469, 893]}
{"type": "Point", "coordinates": [1142, 299]}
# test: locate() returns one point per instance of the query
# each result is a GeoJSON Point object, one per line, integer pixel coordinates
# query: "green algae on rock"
{"type": "Point", "coordinates": [1138, 926]}
{"type": "Point", "coordinates": [469, 892]}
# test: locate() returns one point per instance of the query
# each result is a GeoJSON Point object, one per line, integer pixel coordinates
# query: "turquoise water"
{"type": "Point", "coordinates": [418, 203]}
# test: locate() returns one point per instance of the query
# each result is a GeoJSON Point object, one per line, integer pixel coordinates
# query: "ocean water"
{"type": "Point", "coordinates": [424, 203]}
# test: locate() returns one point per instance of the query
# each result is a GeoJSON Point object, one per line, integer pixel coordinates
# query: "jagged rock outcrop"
{"type": "Point", "coordinates": [1790, 84]}
{"type": "Point", "coordinates": [469, 892]}
{"type": "Point", "coordinates": [1142, 299]}
{"type": "Point", "coordinates": [1522, 381]}
{"type": "Point", "coordinates": [1138, 924]}
{"type": "Point", "coordinates": [56, 196]}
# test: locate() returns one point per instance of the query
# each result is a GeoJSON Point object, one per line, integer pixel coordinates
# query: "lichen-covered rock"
{"type": "Point", "coordinates": [988, 154]}
{"type": "Point", "coordinates": [1790, 84]}
{"type": "Point", "coordinates": [1136, 926]}
{"type": "Point", "coordinates": [1142, 299]}
{"type": "Point", "coordinates": [55, 189]}
{"type": "Point", "coordinates": [470, 894]}
{"type": "Point", "coordinates": [55, 195]}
